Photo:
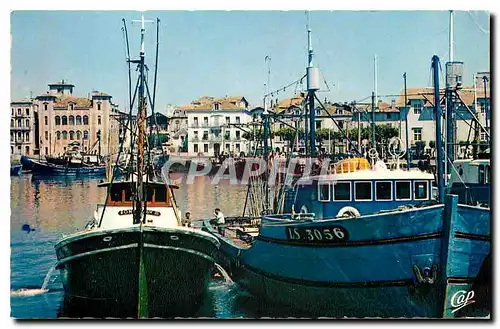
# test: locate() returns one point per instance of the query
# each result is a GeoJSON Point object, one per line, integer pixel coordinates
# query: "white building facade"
{"type": "Point", "coordinates": [213, 126]}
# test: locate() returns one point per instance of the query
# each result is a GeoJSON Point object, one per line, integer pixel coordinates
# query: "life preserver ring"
{"type": "Point", "coordinates": [348, 212]}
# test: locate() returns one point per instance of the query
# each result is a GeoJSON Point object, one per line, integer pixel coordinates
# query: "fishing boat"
{"type": "Point", "coordinates": [368, 242]}
{"type": "Point", "coordinates": [134, 254]}
{"type": "Point", "coordinates": [44, 168]}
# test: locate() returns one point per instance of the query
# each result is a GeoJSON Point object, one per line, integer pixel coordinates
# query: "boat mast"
{"type": "Point", "coordinates": [141, 120]}
{"type": "Point", "coordinates": [439, 142]}
{"type": "Point", "coordinates": [312, 85]}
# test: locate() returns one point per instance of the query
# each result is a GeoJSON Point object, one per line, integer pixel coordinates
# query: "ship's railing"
{"type": "Point", "coordinates": [349, 165]}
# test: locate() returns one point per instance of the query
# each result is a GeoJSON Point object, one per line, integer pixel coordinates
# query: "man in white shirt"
{"type": "Point", "coordinates": [220, 221]}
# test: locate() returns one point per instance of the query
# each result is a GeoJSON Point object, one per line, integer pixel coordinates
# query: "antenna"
{"type": "Point", "coordinates": [451, 36]}
{"type": "Point", "coordinates": [309, 43]}
{"type": "Point", "coordinates": [375, 79]}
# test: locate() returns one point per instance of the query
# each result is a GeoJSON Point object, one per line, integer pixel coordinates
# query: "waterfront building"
{"type": "Point", "coordinates": [22, 128]}
{"type": "Point", "coordinates": [212, 126]}
{"type": "Point", "coordinates": [178, 130]}
{"type": "Point", "coordinates": [67, 122]}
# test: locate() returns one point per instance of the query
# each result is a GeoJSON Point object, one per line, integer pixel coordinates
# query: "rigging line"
{"type": "Point", "coordinates": [477, 24]}
{"type": "Point", "coordinates": [287, 86]}
{"type": "Point", "coordinates": [128, 62]}
{"type": "Point", "coordinates": [338, 127]}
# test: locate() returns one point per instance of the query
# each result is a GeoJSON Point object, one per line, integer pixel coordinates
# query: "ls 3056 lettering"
{"type": "Point", "coordinates": [317, 234]}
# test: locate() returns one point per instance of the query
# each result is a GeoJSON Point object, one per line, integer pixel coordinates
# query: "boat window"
{"type": "Point", "coordinates": [383, 190]}
{"type": "Point", "coordinates": [481, 176]}
{"type": "Point", "coordinates": [421, 192]}
{"type": "Point", "coordinates": [161, 194]}
{"type": "Point", "coordinates": [128, 194]}
{"type": "Point", "coordinates": [488, 175]}
{"type": "Point", "coordinates": [324, 192]}
{"type": "Point", "coordinates": [149, 194]}
{"type": "Point", "coordinates": [363, 191]}
{"type": "Point", "coordinates": [403, 191]}
{"type": "Point", "coordinates": [116, 193]}
{"type": "Point", "coordinates": [342, 191]}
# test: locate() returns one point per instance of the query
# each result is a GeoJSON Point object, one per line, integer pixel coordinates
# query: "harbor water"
{"type": "Point", "coordinates": [42, 211]}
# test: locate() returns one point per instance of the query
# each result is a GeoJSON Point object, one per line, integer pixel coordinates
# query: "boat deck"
{"type": "Point", "coordinates": [242, 236]}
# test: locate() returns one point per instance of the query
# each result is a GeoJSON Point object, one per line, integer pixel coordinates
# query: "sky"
{"type": "Point", "coordinates": [219, 53]}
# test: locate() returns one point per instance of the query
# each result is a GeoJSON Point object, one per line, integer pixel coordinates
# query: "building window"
{"type": "Point", "coordinates": [85, 120]}
{"type": "Point", "coordinates": [383, 191]}
{"type": "Point", "coordinates": [318, 124]}
{"type": "Point", "coordinates": [237, 119]}
{"type": "Point", "coordinates": [27, 150]}
{"type": "Point", "coordinates": [72, 106]}
{"type": "Point", "coordinates": [71, 120]}
{"type": "Point", "coordinates": [46, 120]}
{"type": "Point", "coordinates": [78, 120]}
{"type": "Point", "coordinates": [78, 135]}
{"type": "Point", "coordinates": [237, 148]}
{"type": "Point", "coordinates": [195, 148]}
{"type": "Point", "coordinates": [12, 111]}
{"type": "Point", "coordinates": [12, 150]}
{"type": "Point", "coordinates": [195, 122]}
{"type": "Point", "coordinates": [27, 137]}
{"type": "Point", "coordinates": [45, 106]}
{"type": "Point", "coordinates": [483, 135]}
{"type": "Point", "coordinates": [19, 111]}
{"type": "Point", "coordinates": [58, 135]}
{"type": "Point", "coordinates": [19, 136]}
{"type": "Point", "coordinates": [228, 120]}
{"type": "Point", "coordinates": [417, 108]}
{"type": "Point", "coordinates": [205, 121]}
{"type": "Point", "coordinates": [342, 191]}
{"type": "Point", "coordinates": [483, 108]}
{"type": "Point", "coordinates": [58, 120]}
{"type": "Point", "coordinates": [71, 135]}
{"type": "Point", "coordinates": [27, 123]}
{"type": "Point", "coordinates": [11, 136]}
{"type": "Point", "coordinates": [227, 148]}
{"type": "Point", "coordinates": [237, 134]}
{"type": "Point", "coordinates": [98, 106]}
{"type": "Point", "coordinates": [46, 135]}
{"type": "Point", "coordinates": [324, 192]}
{"type": "Point", "coordinates": [12, 122]}
{"type": "Point", "coordinates": [417, 134]}
{"type": "Point", "coordinates": [363, 191]}
{"type": "Point", "coordinates": [205, 148]}
{"type": "Point", "coordinates": [216, 106]}
{"type": "Point", "coordinates": [64, 135]}
{"type": "Point", "coordinates": [27, 112]}
{"type": "Point", "coordinates": [64, 120]}
{"type": "Point", "coordinates": [99, 120]}
{"type": "Point", "coordinates": [19, 123]}
{"type": "Point", "coordinates": [85, 134]}
{"type": "Point", "coordinates": [46, 150]}
{"type": "Point", "coordinates": [205, 135]}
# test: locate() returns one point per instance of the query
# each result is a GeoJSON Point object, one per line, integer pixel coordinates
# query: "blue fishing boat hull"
{"type": "Point", "coordinates": [395, 264]}
{"type": "Point", "coordinates": [15, 170]}
{"type": "Point", "coordinates": [44, 169]}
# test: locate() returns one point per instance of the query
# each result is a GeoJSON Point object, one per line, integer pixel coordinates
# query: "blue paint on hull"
{"type": "Point", "coordinates": [372, 274]}
{"type": "Point", "coordinates": [44, 169]}
{"type": "Point", "coordinates": [15, 170]}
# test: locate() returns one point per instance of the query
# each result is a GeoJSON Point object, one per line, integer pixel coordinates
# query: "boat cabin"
{"type": "Point", "coordinates": [359, 192]}
{"type": "Point", "coordinates": [157, 194]}
{"type": "Point", "coordinates": [471, 181]}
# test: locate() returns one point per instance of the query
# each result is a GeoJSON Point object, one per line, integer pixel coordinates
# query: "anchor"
{"type": "Point", "coordinates": [429, 275]}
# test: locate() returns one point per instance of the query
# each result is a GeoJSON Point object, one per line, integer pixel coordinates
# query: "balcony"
{"type": "Point", "coordinates": [21, 128]}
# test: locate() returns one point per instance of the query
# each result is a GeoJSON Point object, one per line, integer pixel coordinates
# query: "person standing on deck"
{"type": "Point", "coordinates": [220, 221]}
{"type": "Point", "coordinates": [187, 220]}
